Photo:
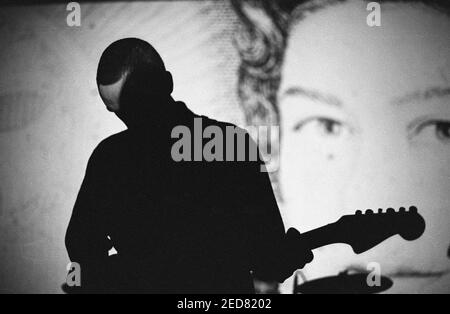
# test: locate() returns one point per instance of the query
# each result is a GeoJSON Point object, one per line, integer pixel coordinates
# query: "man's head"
{"type": "Point", "coordinates": [131, 73]}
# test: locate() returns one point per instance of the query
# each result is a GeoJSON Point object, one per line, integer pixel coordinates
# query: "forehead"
{"type": "Point", "coordinates": [336, 48]}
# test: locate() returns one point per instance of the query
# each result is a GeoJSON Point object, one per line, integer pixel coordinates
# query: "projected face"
{"type": "Point", "coordinates": [110, 94]}
{"type": "Point", "coordinates": [366, 124]}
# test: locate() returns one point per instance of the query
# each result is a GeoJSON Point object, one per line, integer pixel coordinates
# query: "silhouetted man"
{"type": "Point", "coordinates": [178, 226]}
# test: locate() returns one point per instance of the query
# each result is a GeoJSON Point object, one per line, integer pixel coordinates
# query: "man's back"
{"type": "Point", "coordinates": [187, 226]}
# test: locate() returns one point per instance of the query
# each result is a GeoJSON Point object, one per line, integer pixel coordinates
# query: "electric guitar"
{"type": "Point", "coordinates": [363, 231]}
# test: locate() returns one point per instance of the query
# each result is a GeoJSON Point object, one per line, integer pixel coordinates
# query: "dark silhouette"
{"type": "Point", "coordinates": [178, 227]}
{"type": "Point", "coordinates": [363, 231]}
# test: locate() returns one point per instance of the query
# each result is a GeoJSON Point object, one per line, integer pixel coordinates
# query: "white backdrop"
{"type": "Point", "coordinates": [51, 116]}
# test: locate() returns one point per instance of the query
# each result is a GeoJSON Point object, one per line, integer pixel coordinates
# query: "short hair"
{"type": "Point", "coordinates": [128, 56]}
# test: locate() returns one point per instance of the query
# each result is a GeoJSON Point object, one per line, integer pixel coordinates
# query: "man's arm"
{"type": "Point", "coordinates": [86, 239]}
{"type": "Point", "coordinates": [275, 255]}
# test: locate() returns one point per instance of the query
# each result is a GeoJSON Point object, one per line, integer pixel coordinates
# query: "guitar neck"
{"type": "Point", "coordinates": [320, 237]}
{"type": "Point", "coordinates": [365, 231]}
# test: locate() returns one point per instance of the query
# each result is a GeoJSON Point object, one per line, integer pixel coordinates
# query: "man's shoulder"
{"type": "Point", "coordinates": [111, 144]}
{"type": "Point", "coordinates": [207, 121]}
{"type": "Point", "coordinates": [115, 138]}
{"type": "Point", "coordinates": [233, 133]}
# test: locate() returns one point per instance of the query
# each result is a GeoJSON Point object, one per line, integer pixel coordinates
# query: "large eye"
{"type": "Point", "coordinates": [321, 125]}
{"type": "Point", "coordinates": [432, 130]}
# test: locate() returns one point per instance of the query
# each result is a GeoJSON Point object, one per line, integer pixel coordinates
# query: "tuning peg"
{"type": "Point", "coordinates": [402, 209]}
{"type": "Point", "coordinates": [390, 210]}
{"type": "Point", "coordinates": [369, 212]}
{"type": "Point", "coordinates": [380, 210]}
{"type": "Point", "coordinates": [358, 212]}
{"type": "Point", "coordinates": [413, 209]}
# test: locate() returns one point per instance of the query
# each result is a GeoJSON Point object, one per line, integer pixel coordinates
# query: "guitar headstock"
{"type": "Point", "coordinates": [363, 231]}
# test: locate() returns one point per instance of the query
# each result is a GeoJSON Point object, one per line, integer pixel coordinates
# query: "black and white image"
{"type": "Point", "coordinates": [225, 147]}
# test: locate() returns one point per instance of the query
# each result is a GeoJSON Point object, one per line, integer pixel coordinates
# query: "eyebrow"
{"type": "Point", "coordinates": [426, 95]}
{"type": "Point", "coordinates": [314, 95]}
{"type": "Point", "coordinates": [431, 93]}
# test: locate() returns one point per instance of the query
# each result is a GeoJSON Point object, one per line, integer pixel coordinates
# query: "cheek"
{"type": "Point", "coordinates": [313, 176]}
{"type": "Point", "coordinates": [321, 181]}
{"type": "Point", "coordinates": [115, 107]}
{"type": "Point", "coordinates": [430, 173]}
